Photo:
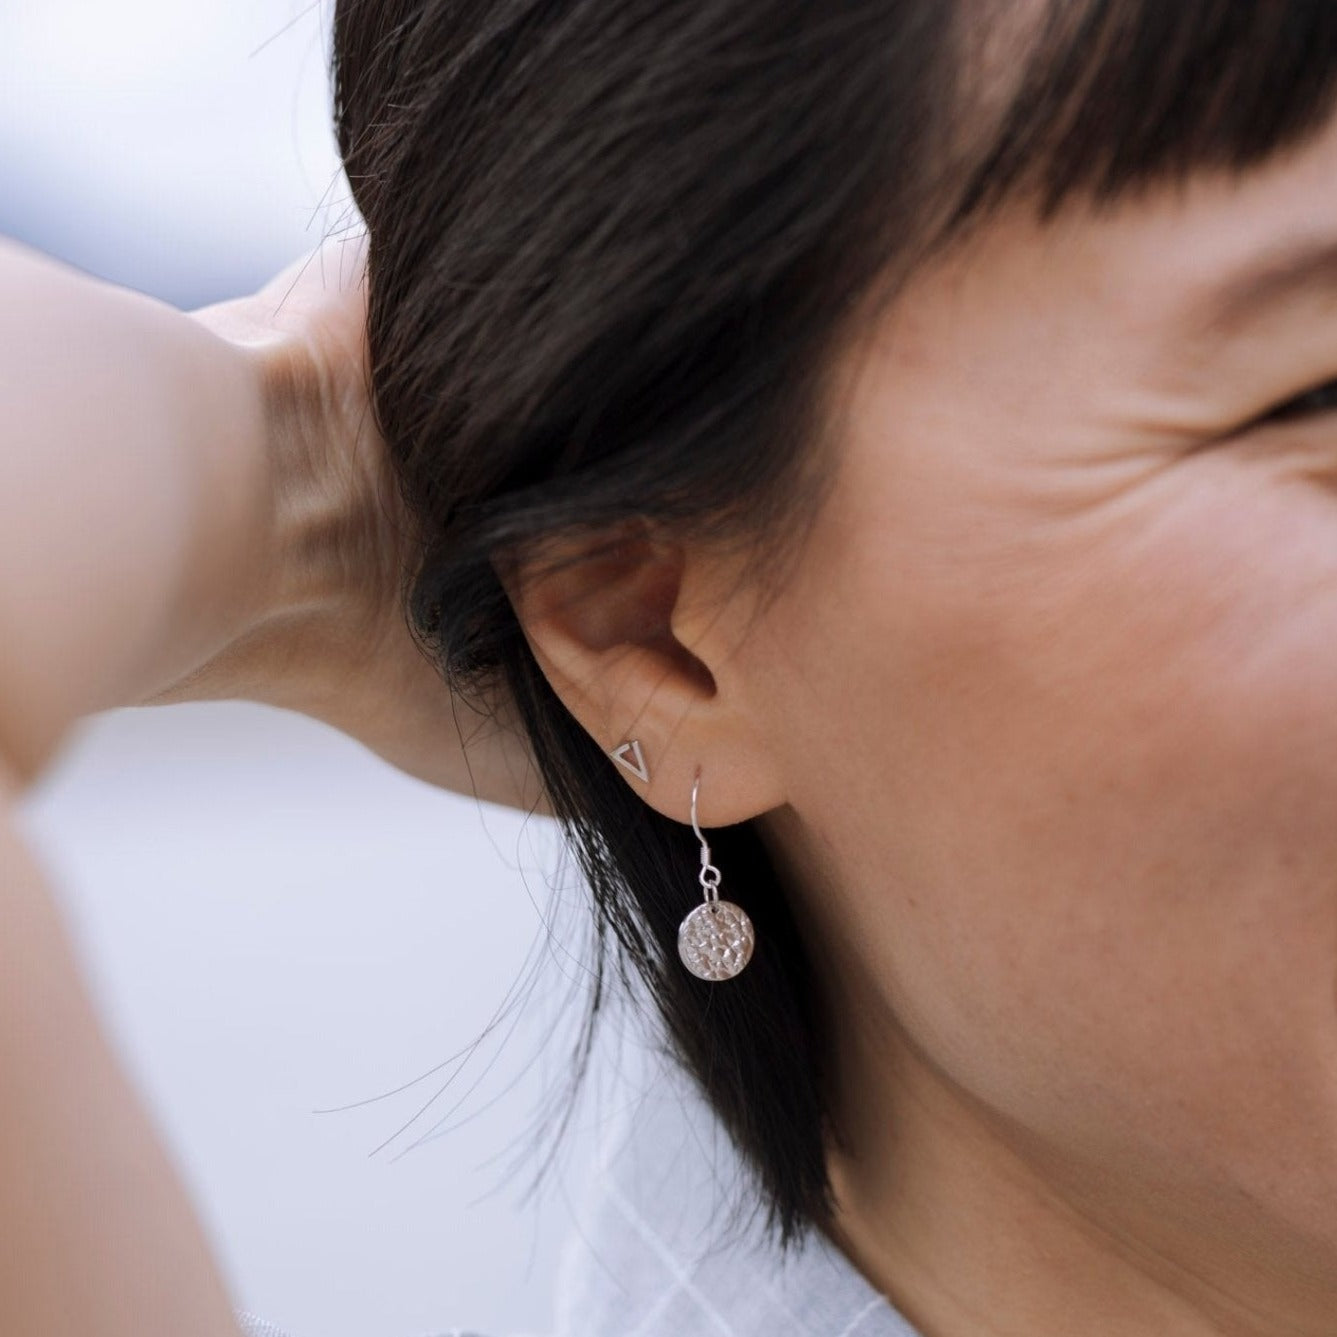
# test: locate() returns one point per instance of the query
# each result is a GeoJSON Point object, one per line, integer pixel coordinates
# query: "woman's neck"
{"type": "Point", "coordinates": [974, 1228]}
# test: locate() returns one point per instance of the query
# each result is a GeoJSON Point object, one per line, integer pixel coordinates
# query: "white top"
{"type": "Point", "coordinates": [652, 1256]}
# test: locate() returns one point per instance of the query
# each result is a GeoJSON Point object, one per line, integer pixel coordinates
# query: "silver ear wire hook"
{"type": "Point", "coordinates": [716, 938]}
{"type": "Point", "coordinates": [709, 876]}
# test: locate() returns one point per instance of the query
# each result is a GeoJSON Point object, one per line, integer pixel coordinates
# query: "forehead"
{"type": "Point", "coordinates": [1160, 286]}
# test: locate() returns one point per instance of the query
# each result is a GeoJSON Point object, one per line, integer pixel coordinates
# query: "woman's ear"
{"type": "Point", "coordinates": [638, 637]}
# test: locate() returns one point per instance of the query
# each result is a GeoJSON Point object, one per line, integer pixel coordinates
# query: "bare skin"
{"type": "Point", "coordinates": [331, 639]}
{"type": "Point", "coordinates": [207, 513]}
{"type": "Point", "coordinates": [1042, 726]}
{"type": "Point", "coordinates": [196, 506]}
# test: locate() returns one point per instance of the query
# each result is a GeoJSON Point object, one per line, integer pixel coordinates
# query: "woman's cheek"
{"type": "Point", "coordinates": [1105, 787]}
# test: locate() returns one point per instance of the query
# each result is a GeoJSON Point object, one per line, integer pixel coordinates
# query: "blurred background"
{"type": "Point", "coordinates": [274, 921]}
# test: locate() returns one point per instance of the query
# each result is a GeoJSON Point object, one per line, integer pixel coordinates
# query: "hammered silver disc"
{"type": "Point", "coordinates": [715, 940]}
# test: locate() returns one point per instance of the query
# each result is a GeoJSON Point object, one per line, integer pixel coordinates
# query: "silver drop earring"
{"type": "Point", "coordinates": [716, 938]}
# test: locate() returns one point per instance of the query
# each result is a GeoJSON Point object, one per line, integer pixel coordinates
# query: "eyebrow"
{"type": "Point", "coordinates": [1277, 276]}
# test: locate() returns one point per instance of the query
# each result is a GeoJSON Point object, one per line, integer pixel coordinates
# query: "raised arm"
{"type": "Point", "coordinates": [134, 480]}
{"type": "Point", "coordinates": [96, 1232]}
{"type": "Point", "coordinates": [193, 506]}
{"type": "Point", "coordinates": [198, 506]}
{"type": "Point", "coordinates": [135, 483]}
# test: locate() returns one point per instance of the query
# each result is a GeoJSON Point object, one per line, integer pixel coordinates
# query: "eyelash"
{"type": "Point", "coordinates": [1321, 399]}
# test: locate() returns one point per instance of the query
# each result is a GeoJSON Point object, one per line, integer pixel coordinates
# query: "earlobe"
{"type": "Point", "coordinates": [599, 613]}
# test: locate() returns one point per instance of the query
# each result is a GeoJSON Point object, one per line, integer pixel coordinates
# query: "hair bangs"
{"type": "Point", "coordinates": [1114, 96]}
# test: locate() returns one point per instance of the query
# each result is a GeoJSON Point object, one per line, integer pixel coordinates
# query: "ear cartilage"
{"type": "Point", "coordinates": [628, 755]}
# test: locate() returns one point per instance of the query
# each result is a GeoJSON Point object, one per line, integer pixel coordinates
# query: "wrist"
{"type": "Point", "coordinates": [261, 517]}
{"type": "Point", "coordinates": [311, 560]}
{"type": "Point", "coordinates": [309, 501]}
{"type": "Point", "coordinates": [301, 339]}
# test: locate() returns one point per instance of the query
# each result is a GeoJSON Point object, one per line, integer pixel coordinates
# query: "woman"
{"type": "Point", "coordinates": [893, 439]}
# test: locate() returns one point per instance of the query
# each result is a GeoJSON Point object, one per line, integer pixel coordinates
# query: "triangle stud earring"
{"type": "Point", "coordinates": [629, 756]}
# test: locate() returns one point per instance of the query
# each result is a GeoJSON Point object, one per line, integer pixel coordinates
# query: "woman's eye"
{"type": "Point", "coordinates": [1321, 399]}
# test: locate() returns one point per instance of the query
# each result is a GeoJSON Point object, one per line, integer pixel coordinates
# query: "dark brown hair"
{"type": "Point", "coordinates": [612, 243]}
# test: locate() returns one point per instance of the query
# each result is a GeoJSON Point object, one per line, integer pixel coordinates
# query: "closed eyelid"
{"type": "Point", "coordinates": [1223, 310]}
{"type": "Point", "coordinates": [1321, 398]}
